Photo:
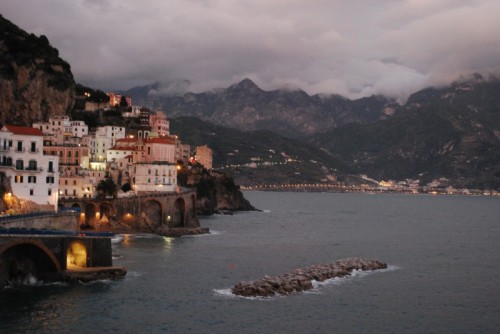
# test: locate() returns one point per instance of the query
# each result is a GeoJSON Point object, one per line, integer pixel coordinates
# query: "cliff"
{"type": "Point", "coordinates": [35, 83]}
{"type": "Point", "coordinates": [290, 113]}
{"type": "Point", "coordinates": [217, 192]}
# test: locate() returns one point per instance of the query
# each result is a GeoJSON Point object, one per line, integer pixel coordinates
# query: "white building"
{"type": "Point", "coordinates": [102, 140]}
{"type": "Point", "coordinates": [62, 126]}
{"type": "Point", "coordinates": [158, 176]}
{"type": "Point", "coordinates": [33, 175]}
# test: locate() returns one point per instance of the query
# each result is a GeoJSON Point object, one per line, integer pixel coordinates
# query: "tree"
{"type": "Point", "coordinates": [106, 187]}
{"type": "Point", "coordinates": [126, 187]}
{"type": "Point", "coordinates": [123, 102]}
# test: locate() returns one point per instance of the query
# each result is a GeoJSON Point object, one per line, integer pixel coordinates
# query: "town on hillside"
{"type": "Point", "coordinates": [66, 159]}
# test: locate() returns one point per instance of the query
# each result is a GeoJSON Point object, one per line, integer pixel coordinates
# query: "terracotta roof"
{"type": "Point", "coordinates": [24, 130]}
{"type": "Point", "coordinates": [127, 140]}
{"type": "Point", "coordinates": [122, 148]}
{"type": "Point", "coordinates": [160, 141]}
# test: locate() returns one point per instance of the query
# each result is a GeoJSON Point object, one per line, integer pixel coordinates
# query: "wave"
{"type": "Point", "coordinates": [31, 281]}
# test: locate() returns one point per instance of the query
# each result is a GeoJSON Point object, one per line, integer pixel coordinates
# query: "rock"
{"type": "Point", "coordinates": [301, 279]}
{"type": "Point", "coordinates": [35, 82]}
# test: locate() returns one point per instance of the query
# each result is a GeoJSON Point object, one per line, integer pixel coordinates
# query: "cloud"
{"type": "Point", "coordinates": [354, 48]}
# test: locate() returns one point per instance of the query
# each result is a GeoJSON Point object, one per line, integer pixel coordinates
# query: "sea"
{"type": "Point", "coordinates": [443, 275]}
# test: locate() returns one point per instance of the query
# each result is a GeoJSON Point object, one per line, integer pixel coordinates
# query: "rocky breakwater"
{"type": "Point", "coordinates": [301, 279]}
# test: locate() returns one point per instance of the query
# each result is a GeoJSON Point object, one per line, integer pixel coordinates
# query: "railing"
{"type": "Point", "coordinates": [34, 169]}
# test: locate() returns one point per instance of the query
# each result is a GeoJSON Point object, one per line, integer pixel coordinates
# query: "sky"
{"type": "Point", "coordinates": [354, 48]}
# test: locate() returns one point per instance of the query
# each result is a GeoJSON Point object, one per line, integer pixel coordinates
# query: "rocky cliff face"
{"type": "Point", "coordinates": [35, 83]}
{"type": "Point", "coordinates": [291, 113]}
{"type": "Point", "coordinates": [451, 132]}
{"type": "Point", "coordinates": [216, 192]}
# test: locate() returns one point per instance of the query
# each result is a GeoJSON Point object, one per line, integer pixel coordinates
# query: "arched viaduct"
{"type": "Point", "coordinates": [51, 257]}
{"type": "Point", "coordinates": [151, 212]}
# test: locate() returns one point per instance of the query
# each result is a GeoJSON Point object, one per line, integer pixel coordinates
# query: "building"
{"type": "Point", "coordinates": [157, 176]}
{"type": "Point", "coordinates": [60, 128]}
{"type": "Point", "coordinates": [115, 99]}
{"type": "Point", "coordinates": [204, 156]}
{"type": "Point", "coordinates": [157, 149]}
{"type": "Point", "coordinates": [103, 139]}
{"type": "Point", "coordinates": [159, 123]}
{"type": "Point", "coordinates": [33, 174]}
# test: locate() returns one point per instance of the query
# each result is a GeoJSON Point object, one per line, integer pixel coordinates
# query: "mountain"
{"type": "Point", "coordinates": [245, 106]}
{"type": "Point", "coordinates": [35, 82]}
{"type": "Point", "coordinates": [259, 157]}
{"type": "Point", "coordinates": [450, 132]}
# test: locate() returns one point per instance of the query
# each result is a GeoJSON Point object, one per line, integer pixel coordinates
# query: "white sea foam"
{"type": "Point", "coordinates": [117, 238]}
{"type": "Point", "coordinates": [31, 280]}
{"type": "Point", "coordinates": [224, 293]}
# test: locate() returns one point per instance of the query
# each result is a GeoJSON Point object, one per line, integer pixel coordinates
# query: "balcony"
{"type": "Point", "coordinates": [32, 169]}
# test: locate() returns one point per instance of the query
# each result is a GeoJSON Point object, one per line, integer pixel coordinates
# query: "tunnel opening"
{"type": "Point", "coordinates": [25, 264]}
{"type": "Point", "coordinates": [76, 256]}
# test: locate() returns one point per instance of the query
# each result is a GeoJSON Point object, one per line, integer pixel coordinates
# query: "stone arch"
{"type": "Point", "coordinates": [77, 207]}
{"type": "Point", "coordinates": [151, 214]}
{"type": "Point", "coordinates": [21, 259]}
{"type": "Point", "coordinates": [179, 213]}
{"type": "Point", "coordinates": [106, 212]}
{"type": "Point", "coordinates": [76, 255]}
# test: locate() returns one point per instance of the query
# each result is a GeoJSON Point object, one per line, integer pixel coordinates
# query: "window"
{"type": "Point", "coordinates": [74, 192]}
{"type": "Point", "coordinates": [19, 146]}
{"type": "Point", "coordinates": [69, 154]}
{"type": "Point", "coordinates": [49, 192]}
{"type": "Point", "coordinates": [31, 179]}
{"type": "Point", "coordinates": [51, 166]}
{"type": "Point", "coordinates": [32, 192]}
{"type": "Point", "coordinates": [60, 154]}
{"type": "Point", "coordinates": [32, 165]}
{"type": "Point", "coordinates": [19, 164]}
{"type": "Point", "coordinates": [19, 179]}
{"type": "Point", "coordinates": [66, 182]}
{"type": "Point", "coordinates": [76, 154]}
{"type": "Point", "coordinates": [33, 146]}
{"type": "Point", "coordinates": [74, 182]}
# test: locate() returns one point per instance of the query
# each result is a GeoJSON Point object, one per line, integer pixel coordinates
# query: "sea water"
{"type": "Point", "coordinates": [443, 254]}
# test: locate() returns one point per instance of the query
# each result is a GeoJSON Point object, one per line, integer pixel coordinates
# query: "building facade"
{"type": "Point", "coordinates": [33, 175]}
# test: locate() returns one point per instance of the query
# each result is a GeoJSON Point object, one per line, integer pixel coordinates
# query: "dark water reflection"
{"type": "Point", "coordinates": [444, 254]}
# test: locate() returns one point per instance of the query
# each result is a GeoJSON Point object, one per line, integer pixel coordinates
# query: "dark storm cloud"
{"type": "Point", "coordinates": [354, 48]}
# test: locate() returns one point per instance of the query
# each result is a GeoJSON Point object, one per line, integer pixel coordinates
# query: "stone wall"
{"type": "Point", "coordinates": [49, 221]}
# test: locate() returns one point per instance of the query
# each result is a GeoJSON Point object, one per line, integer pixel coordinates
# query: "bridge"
{"type": "Point", "coordinates": [152, 212]}
{"type": "Point", "coordinates": [54, 256]}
